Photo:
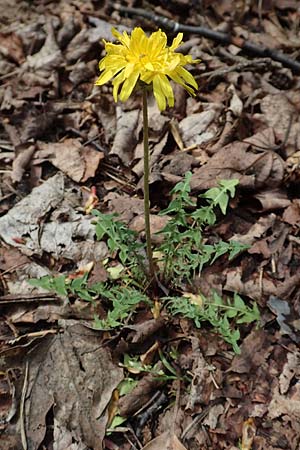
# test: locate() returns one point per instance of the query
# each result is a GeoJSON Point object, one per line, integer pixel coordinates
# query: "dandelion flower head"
{"type": "Point", "coordinates": [148, 59]}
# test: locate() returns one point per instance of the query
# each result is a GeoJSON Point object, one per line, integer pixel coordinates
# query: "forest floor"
{"type": "Point", "coordinates": [155, 380]}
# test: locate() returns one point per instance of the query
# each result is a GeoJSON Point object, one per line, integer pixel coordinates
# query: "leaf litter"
{"type": "Point", "coordinates": [64, 147]}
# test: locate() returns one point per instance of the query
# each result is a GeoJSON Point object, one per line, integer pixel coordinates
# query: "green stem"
{"type": "Point", "coordinates": [146, 186]}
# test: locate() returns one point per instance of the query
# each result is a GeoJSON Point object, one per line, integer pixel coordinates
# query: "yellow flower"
{"type": "Point", "coordinates": [149, 59]}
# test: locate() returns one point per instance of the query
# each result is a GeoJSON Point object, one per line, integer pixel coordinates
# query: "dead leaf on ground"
{"type": "Point", "coordinates": [21, 162]}
{"type": "Point", "coordinates": [71, 157]}
{"type": "Point", "coordinates": [257, 230]}
{"type": "Point", "coordinates": [277, 112]}
{"type": "Point", "coordinates": [287, 405]}
{"type": "Point", "coordinates": [271, 199]}
{"type": "Point", "coordinates": [201, 385]}
{"type": "Point", "coordinates": [248, 361]}
{"type": "Point", "coordinates": [141, 394]}
{"type": "Point", "coordinates": [166, 441]}
{"type": "Point", "coordinates": [285, 317]}
{"type": "Point", "coordinates": [11, 47]}
{"type": "Point", "coordinates": [236, 160]}
{"type": "Point", "coordinates": [65, 233]}
{"type": "Point", "coordinates": [49, 57]}
{"type": "Point", "coordinates": [125, 138]}
{"type": "Point", "coordinates": [74, 377]}
{"type": "Point", "coordinates": [290, 371]}
{"type": "Point", "coordinates": [201, 127]}
{"type": "Point", "coordinates": [292, 214]}
{"type": "Point", "coordinates": [125, 206]}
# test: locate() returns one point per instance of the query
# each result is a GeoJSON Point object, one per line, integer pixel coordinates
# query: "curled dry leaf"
{"type": "Point", "coordinates": [21, 162]}
{"type": "Point", "coordinates": [272, 199]}
{"type": "Point", "coordinates": [140, 395]}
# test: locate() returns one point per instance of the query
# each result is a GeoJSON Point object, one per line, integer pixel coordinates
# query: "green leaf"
{"type": "Point", "coordinates": [126, 386]}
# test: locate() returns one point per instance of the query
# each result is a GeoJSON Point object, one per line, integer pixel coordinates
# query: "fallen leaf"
{"type": "Point", "coordinates": [165, 441]}
{"type": "Point", "coordinates": [49, 57]}
{"type": "Point", "coordinates": [11, 47]}
{"type": "Point", "coordinates": [125, 206]}
{"type": "Point", "coordinates": [199, 128]}
{"type": "Point", "coordinates": [65, 233]}
{"type": "Point", "coordinates": [248, 361]}
{"type": "Point", "coordinates": [283, 311]}
{"type": "Point", "coordinates": [72, 375]}
{"type": "Point", "coordinates": [288, 405]}
{"type": "Point", "coordinates": [140, 395]}
{"type": "Point", "coordinates": [236, 160]}
{"type": "Point", "coordinates": [21, 162]}
{"type": "Point", "coordinates": [292, 214]}
{"type": "Point", "coordinates": [125, 138]}
{"type": "Point", "coordinates": [71, 157]}
{"type": "Point", "coordinates": [258, 229]}
{"type": "Point", "coordinates": [290, 371]}
{"type": "Point", "coordinates": [277, 111]}
{"type": "Point", "coordinates": [271, 199]}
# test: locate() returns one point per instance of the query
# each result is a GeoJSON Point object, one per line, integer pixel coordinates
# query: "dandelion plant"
{"type": "Point", "coordinates": [148, 63]}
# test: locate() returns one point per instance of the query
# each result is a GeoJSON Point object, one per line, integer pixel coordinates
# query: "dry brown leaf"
{"type": "Point", "coordinates": [126, 207]}
{"type": "Point", "coordinates": [125, 138]}
{"type": "Point", "coordinates": [11, 47]}
{"type": "Point", "coordinates": [75, 376]}
{"type": "Point", "coordinates": [272, 199]}
{"type": "Point", "coordinates": [201, 127]}
{"type": "Point", "coordinates": [165, 441]}
{"type": "Point", "coordinates": [292, 214]}
{"type": "Point", "coordinates": [288, 405]}
{"type": "Point", "coordinates": [236, 160]}
{"type": "Point", "coordinates": [258, 229]}
{"type": "Point", "coordinates": [248, 362]}
{"type": "Point", "coordinates": [21, 162]}
{"type": "Point", "coordinates": [277, 111]}
{"type": "Point", "coordinates": [71, 157]}
{"type": "Point", "coordinates": [253, 288]}
{"type": "Point", "coordinates": [290, 370]}
{"type": "Point", "coordinates": [49, 57]}
{"type": "Point", "coordinates": [141, 394]}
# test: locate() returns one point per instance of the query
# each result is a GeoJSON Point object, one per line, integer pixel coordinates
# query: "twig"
{"type": "Point", "coordinates": [220, 37]}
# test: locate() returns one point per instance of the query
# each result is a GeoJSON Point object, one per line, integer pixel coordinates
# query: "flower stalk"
{"type": "Point", "coordinates": [146, 186]}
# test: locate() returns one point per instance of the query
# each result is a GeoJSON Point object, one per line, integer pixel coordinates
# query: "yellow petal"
{"type": "Point", "coordinates": [159, 94]}
{"type": "Point", "coordinates": [104, 77]}
{"type": "Point", "coordinates": [128, 86]}
{"type": "Point", "coordinates": [123, 38]}
{"type": "Point", "coordinates": [166, 89]}
{"type": "Point", "coordinates": [176, 41]}
{"type": "Point", "coordinates": [116, 84]}
{"type": "Point", "coordinates": [149, 66]}
{"type": "Point", "coordinates": [183, 73]}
